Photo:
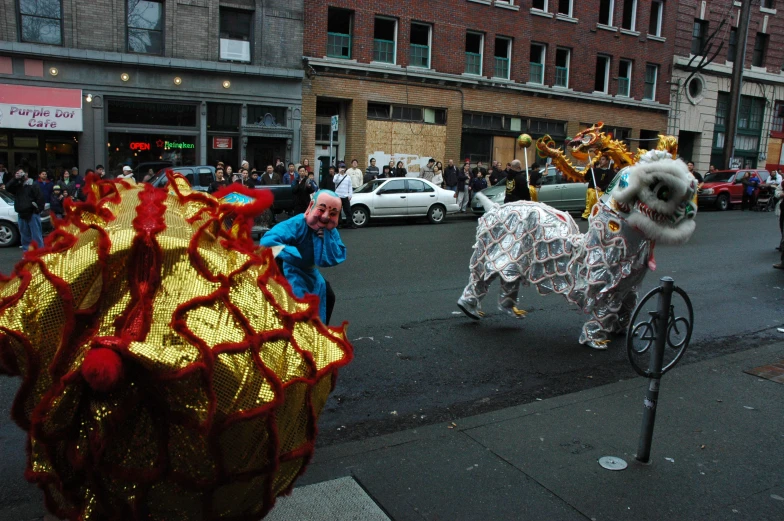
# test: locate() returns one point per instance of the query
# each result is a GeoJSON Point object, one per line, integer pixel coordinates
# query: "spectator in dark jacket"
{"type": "Point", "coordinates": [56, 201]}
{"type": "Point", "coordinates": [301, 191]}
{"type": "Point", "coordinates": [45, 184]}
{"type": "Point", "coordinates": [219, 182]}
{"type": "Point", "coordinates": [450, 176]}
{"type": "Point", "coordinates": [479, 183]}
{"type": "Point", "coordinates": [386, 172]}
{"type": "Point", "coordinates": [29, 202]}
{"type": "Point", "coordinates": [400, 170]}
{"type": "Point", "coordinates": [326, 182]}
{"type": "Point", "coordinates": [516, 183]}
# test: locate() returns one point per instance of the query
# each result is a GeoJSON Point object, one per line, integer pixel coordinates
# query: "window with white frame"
{"type": "Point", "coordinates": [419, 42]}
{"type": "Point", "coordinates": [625, 78]}
{"type": "Point", "coordinates": [606, 9]}
{"type": "Point", "coordinates": [538, 51]}
{"type": "Point", "coordinates": [503, 57]}
{"type": "Point", "coordinates": [565, 7]}
{"type": "Point", "coordinates": [385, 40]}
{"type": "Point", "coordinates": [602, 77]}
{"type": "Point", "coordinates": [768, 4]}
{"type": "Point", "coordinates": [473, 53]}
{"type": "Point", "coordinates": [651, 74]}
{"type": "Point", "coordinates": [562, 57]}
{"type": "Point", "coordinates": [629, 20]}
{"type": "Point", "coordinates": [657, 13]}
{"type": "Point", "coordinates": [505, 2]}
{"type": "Point", "coordinates": [539, 4]}
{"type": "Point", "coordinates": [235, 34]}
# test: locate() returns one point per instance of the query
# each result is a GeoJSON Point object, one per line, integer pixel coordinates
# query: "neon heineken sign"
{"type": "Point", "coordinates": [169, 145]}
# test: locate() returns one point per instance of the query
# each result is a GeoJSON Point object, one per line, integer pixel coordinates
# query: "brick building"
{"type": "Point", "coordinates": [145, 82]}
{"type": "Point", "coordinates": [462, 78]}
{"type": "Point", "coordinates": [700, 98]}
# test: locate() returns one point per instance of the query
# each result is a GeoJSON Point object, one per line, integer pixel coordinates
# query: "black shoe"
{"type": "Point", "coordinates": [779, 266]}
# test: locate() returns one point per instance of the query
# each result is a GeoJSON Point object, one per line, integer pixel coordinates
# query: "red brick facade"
{"type": "Point", "coordinates": [450, 20]}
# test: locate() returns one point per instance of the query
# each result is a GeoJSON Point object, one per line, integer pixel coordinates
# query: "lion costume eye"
{"type": "Point", "coordinates": [663, 193]}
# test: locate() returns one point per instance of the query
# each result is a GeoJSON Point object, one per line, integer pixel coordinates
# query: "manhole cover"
{"type": "Point", "coordinates": [612, 463]}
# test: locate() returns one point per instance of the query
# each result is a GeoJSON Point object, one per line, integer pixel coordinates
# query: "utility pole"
{"type": "Point", "coordinates": [739, 61]}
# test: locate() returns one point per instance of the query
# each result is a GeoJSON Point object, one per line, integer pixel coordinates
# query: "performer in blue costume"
{"type": "Point", "coordinates": [307, 242]}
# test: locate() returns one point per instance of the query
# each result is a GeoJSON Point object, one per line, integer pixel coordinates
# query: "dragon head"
{"type": "Point", "coordinates": [586, 142]}
{"type": "Point", "coordinates": [655, 195]}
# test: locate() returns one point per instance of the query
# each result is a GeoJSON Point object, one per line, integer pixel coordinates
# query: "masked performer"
{"type": "Point", "coordinates": [167, 371]}
{"type": "Point", "coordinates": [307, 242]}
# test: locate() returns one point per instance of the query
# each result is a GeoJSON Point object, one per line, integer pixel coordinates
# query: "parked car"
{"type": "Point", "coordinates": [156, 166]}
{"type": "Point", "coordinates": [554, 191]}
{"type": "Point", "coordinates": [199, 177]}
{"type": "Point", "coordinates": [9, 227]}
{"type": "Point", "coordinates": [724, 188]}
{"type": "Point", "coordinates": [401, 197]}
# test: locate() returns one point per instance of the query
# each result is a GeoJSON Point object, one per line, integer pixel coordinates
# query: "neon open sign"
{"type": "Point", "coordinates": [138, 145]}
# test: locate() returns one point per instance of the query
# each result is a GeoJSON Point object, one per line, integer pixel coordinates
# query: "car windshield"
{"type": "Point", "coordinates": [719, 177]}
{"type": "Point", "coordinates": [369, 187]}
{"type": "Point", "coordinates": [8, 198]}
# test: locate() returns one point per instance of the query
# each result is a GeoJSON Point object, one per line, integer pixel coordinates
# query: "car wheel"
{"type": "Point", "coordinates": [723, 202]}
{"type": "Point", "coordinates": [360, 216]}
{"type": "Point", "coordinates": [436, 214]}
{"type": "Point", "coordinates": [9, 234]}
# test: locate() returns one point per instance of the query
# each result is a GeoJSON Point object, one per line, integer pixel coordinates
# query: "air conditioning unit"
{"type": "Point", "coordinates": [234, 50]}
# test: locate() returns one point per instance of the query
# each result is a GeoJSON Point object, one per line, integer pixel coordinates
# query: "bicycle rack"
{"type": "Point", "coordinates": [658, 333]}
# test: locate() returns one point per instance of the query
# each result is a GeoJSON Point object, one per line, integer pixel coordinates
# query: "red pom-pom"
{"type": "Point", "coordinates": [102, 369]}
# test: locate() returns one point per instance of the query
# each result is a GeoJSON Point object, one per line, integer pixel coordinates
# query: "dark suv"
{"type": "Point", "coordinates": [199, 177]}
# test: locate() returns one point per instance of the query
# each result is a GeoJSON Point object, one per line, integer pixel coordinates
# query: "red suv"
{"type": "Point", "coordinates": [723, 188]}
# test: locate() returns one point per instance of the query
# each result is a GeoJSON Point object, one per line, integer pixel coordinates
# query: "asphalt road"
{"type": "Point", "coordinates": [419, 360]}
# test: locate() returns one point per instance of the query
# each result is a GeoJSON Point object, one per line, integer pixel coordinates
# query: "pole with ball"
{"type": "Point", "coordinates": [524, 141]}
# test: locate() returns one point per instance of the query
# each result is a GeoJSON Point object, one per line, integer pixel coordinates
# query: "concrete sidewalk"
{"type": "Point", "coordinates": [717, 454]}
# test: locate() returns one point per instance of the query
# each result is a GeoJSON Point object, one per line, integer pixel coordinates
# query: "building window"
{"type": "Point", "coordinates": [778, 118]}
{"type": "Point", "coordinates": [651, 72]}
{"type": "Point", "coordinates": [339, 25]}
{"type": "Point", "coordinates": [150, 113]}
{"type": "Point", "coordinates": [760, 50]}
{"type": "Point", "coordinates": [602, 78]}
{"type": "Point", "coordinates": [539, 4]}
{"type": "Point", "coordinates": [223, 117]}
{"type": "Point", "coordinates": [565, 7]}
{"type": "Point", "coordinates": [266, 115]}
{"type": "Point", "coordinates": [606, 8]}
{"type": "Point", "coordinates": [629, 14]}
{"type": "Point", "coordinates": [420, 45]}
{"type": "Point", "coordinates": [473, 53]}
{"type": "Point", "coordinates": [625, 78]}
{"type": "Point", "coordinates": [383, 111]}
{"type": "Point", "coordinates": [733, 46]}
{"type": "Point", "coordinates": [562, 57]}
{"type": "Point", "coordinates": [385, 40]}
{"type": "Point", "coordinates": [503, 51]}
{"type": "Point", "coordinates": [41, 21]}
{"type": "Point", "coordinates": [537, 63]}
{"type": "Point", "coordinates": [235, 34]}
{"type": "Point", "coordinates": [322, 132]}
{"type": "Point", "coordinates": [657, 12]}
{"type": "Point", "coordinates": [699, 35]}
{"type": "Point", "coordinates": [145, 26]}
{"type": "Point", "coordinates": [768, 4]}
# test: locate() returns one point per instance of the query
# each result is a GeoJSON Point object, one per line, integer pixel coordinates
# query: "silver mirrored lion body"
{"type": "Point", "coordinates": [601, 270]}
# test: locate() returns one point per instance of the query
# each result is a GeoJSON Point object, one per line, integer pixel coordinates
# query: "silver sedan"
{"type": "Point", "coordinates": [401, 197]}
{"type": "Point", "coordinates": [554, 191]}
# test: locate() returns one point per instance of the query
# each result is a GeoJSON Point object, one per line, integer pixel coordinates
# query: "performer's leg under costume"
{"type": "Point", "coordinates": [591, 198]}
{"type": "Point", "coordinates": [330, 301]}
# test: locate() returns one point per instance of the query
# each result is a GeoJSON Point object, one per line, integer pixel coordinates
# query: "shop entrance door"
{"type": "Point", "coordinates": [26, 159]}
{"type": "Point", "coordinates": [262, 152]}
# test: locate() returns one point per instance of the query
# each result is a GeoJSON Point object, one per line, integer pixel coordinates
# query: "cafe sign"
{"type": "Point", "coordinates": [43, 108]}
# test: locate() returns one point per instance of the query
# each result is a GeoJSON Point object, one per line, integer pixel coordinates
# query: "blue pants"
{"type": "Point", "coordinates": [30, 230]}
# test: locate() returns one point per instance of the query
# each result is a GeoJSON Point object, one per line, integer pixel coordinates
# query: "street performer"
{"type": "Point", "coordinates": [307, 242]}
{"type": "Point", "coordinates": [599, 178]}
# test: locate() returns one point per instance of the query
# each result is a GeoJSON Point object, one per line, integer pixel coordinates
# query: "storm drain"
{"type": "Point", "coordinates": [337, 500]}
{"type": "Point", "coordinates": [773, 372]}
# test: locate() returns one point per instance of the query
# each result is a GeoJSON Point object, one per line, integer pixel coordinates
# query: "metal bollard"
{"type": "Point", "coordinates": [657, 332]}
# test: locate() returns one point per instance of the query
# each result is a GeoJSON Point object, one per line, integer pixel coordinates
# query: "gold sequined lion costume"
{"type": "Point", "coordinates": [167, 371]}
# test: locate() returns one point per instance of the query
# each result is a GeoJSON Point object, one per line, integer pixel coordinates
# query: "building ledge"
{"type": "Point", "coordinates": [386, 65]}
{"type": "Point", "coordinates": [759, 74]}
{"type": "Point", "coordinates": [607, 28]}
{"type": "Point", "coordinates": [566, 18]}
{"type": "Point", "coordinates": [142, 60]}
{"type": "Point", "coordinates": [507, 6]}
{"type": "Point", "coordinates": [766, 10]}
{"type": "Point", "coordinates": [630, 32]}
{"type": "Point", "coordinates": [478, 81]}
{"type": "Point", "coordinates": [483, 2]}
{"type": "Point", "coordinates": [539, 12]}
{"type": "Point", "coordinates": [657, 38]}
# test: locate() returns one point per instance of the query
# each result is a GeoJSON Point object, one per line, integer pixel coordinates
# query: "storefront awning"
{"type": "Point", "coordinates": [40, 108]}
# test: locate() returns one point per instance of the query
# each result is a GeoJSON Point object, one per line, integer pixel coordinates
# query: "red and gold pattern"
{"type": "Point", "coordinates": [167, 371]}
